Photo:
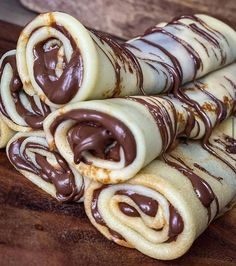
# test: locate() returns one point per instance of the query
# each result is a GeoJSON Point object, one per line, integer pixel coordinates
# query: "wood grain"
{"type": "Point", "coordinates": [36, 230]}
{"type": "Point", "coordinates": [128, 18]}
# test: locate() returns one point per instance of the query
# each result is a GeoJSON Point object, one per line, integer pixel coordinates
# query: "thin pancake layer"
{"type": "Point", "coordinates": [5, 133]}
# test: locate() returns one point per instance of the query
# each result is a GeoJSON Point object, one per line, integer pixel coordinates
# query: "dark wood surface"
{"type": "Point", "coordinates": [36, 230]}
{"type": "Point", "coordinates": [127, 18]}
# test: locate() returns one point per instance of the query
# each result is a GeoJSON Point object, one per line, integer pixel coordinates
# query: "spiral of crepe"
{"type": "Point", "coordinates": [111, 140]}
{"type": "Point", "coordinates": [5, 134]}
{"type": "Point", "coordinates": [28, 152]}
{"type": "Point", "coordinates": [170, 202]}
{"type": "Point", "coordinates": [63, 62]}
{"type": "Point", "coordinates": [20, 111]}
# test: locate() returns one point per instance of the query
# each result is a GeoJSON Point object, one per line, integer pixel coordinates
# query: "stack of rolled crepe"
{"type": "Point", "coordinates": [170, 202]}
{"type": "Point", "coordinates": [58, 63]}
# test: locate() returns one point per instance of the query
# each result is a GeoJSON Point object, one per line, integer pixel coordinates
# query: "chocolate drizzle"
{"type": "Point", "coordinates": [204, 170]}
{"type": "Point", "coordinates": [59, 89]}
{"type": "Point", "coordinates": [202, 189]}
{"type": "Point", "coordinates": [221, 114]}
{"type": "Point", "coordinates": [231, 145]}
{"type": "Point", "coordinates": [161, 117]}
{"type": "Point", "coordinates": [98, 133]}
{"type": "Point", "coordinates": [202, 32]}
{"type": "Point", "coordinates": [61, 177]}
{"type": "Point", "coordinates": [207, 33]}
{"type": "Point", "coordinates": [193, 54]}
{"type": "Point", "coordinates": [126, 58]}
{"type": "Point", "coordinates": [33, 118]}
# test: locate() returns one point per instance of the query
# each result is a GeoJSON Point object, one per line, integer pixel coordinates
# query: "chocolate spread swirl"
{"type": "Point", "coordinates": [33, 119]}
{"type": "Point", "coordinates": [145, 204]}
{"type": "Point", "coordinates": [98, 133]}
{"type": "Point", "coordinates": [61, 177]}
{"type": "Point", "coordinates": [59, 89]}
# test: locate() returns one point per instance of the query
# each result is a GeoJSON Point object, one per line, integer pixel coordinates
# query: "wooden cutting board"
{"type": "Point", "coordinates": [36, 230]}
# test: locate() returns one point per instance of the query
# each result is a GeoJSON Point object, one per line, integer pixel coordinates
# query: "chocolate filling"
{"type": "Point", "coordinates": [62, 177]}
{"type": "Point", "coordinates": [33, 119]}
{"type": "Point", "coordinates": [176, 223]}
{"type": "Point", "coordinates": [59, 90]}
{"type": "Point", "coordinates": [98, 133]}
{"type": "Point", "coordinates": [128, 210]}
{"type": "Point", "coordinates": [146, 204]}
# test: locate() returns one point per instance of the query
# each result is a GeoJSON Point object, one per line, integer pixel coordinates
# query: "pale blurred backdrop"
{"type": "Point", "coordinates": [124, 18]}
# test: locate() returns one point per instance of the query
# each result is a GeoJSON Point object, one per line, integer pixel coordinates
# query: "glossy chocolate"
{"type": "Point", "coordinates": [58, 89]}
{"type": "Point", "coordinates": [128, 210]}
{"type": "Point", "coordinates": [61, 177]}
{"type": "Point", "coordinates": [34, 118]}
{"type": "Point", "coordinates": [176, 224]}
{"type": "Point", "coordinates": [98, 133]}
{"type": "Point", "coordinates": [61, 90]}
{"type": "Point", "coordinates": [146, 204]}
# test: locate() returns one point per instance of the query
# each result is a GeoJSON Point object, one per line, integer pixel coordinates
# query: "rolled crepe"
{"type": "Point", "coordinates": [20, 111]}
{"type": "Point", "coordinates": [170, 202]}
{"type": "Point", "coordinates": [63, 62]}
{"type": "Point", "coordinates": [29, 154]}
{"type": "Point", "coordinates": [111, 140]}
{"type": "Point", "coordinates": [5, 133]}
